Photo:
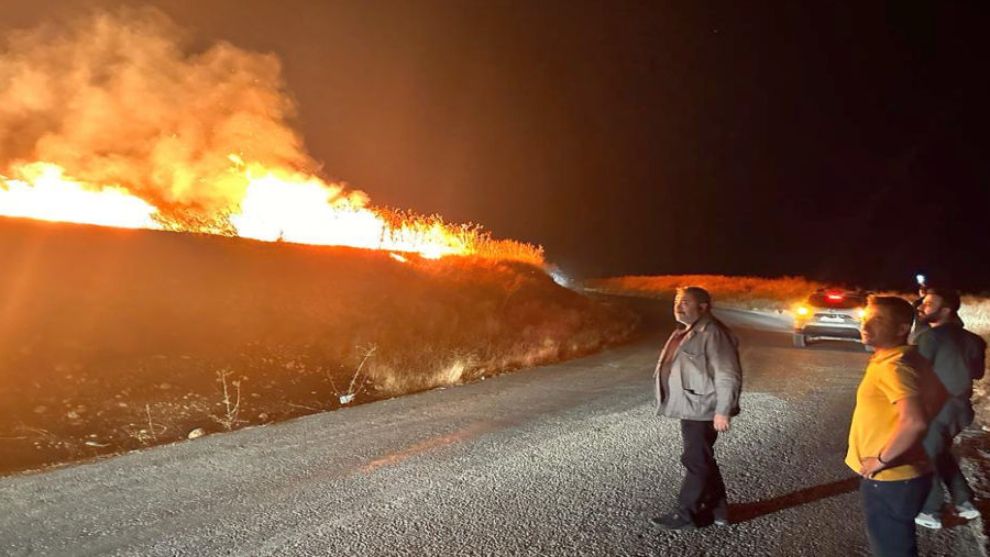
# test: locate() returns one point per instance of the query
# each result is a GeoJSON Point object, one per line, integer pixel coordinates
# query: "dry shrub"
{"type": "Point", "coordinates": [390, 381]}
{"type": "Point", "coordinates": [975, 312]}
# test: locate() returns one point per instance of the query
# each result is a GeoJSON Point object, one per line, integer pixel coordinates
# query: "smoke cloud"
{"type": "Point", "coordinates": [121, 99]}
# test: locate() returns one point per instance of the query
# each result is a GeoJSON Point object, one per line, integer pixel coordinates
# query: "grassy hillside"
{"type": "Point", "coordinates": [114, 339]}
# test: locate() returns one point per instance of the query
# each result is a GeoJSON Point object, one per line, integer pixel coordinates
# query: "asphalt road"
{"type": "Point", "coordinates": [560, 460]}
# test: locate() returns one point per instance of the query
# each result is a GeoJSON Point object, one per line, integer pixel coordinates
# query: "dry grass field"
{"type": "Point", "coordinates": [744, 292]}
{"type": "Point", "coordinates": [115, 339]}
{"type": "Point", "coordinates": [762, 293]}
{"type": "Point", "coordinates": [975, 312]}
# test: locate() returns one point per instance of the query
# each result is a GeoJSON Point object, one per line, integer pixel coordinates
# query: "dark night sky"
{"type": "Point", "coordinates": [840, 143]}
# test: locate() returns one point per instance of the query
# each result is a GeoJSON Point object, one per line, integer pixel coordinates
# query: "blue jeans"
{"type": "Point", "coordinates": [890, 508]}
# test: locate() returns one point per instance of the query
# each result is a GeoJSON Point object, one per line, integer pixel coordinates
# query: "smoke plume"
{"type": "Point", "coordinates": [121, 99]}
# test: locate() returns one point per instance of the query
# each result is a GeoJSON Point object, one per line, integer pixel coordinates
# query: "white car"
{"type": "Point", "coordinates": [829, 314]}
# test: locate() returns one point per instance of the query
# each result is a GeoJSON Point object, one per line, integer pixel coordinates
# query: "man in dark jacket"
{"type": "Point", "coordinates": [698, 381]}
{"type": "Point", "coordinates": [958, 357]}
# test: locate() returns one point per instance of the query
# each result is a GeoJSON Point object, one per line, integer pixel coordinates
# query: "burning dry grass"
{"type": "Point", "coordinates": [474, 239]}
{"type": "Point", "coordinates": [119, 119]}
{"type": "Point", "coordinates": [112, 339]}
{"type": "Point", "coordinates": [748, 292]}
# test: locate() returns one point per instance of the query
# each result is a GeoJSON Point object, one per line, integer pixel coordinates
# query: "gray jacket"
{"type": "Point", "coordinates": [705, 377]}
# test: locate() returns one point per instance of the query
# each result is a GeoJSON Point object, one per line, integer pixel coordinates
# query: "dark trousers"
{"type": "Point", "coordinates": [890, 508]}
{"type": "Point", "coordinates": [952, 418]}
{"type": "Point", "coordinates": [702, 494]}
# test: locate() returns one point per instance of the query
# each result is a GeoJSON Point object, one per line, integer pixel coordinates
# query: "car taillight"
{"type": "Point", "coordinates": [834, 297]}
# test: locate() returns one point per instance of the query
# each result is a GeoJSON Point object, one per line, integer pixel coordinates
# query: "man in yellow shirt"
{"type": "Point", "coordinates": [897, 397]}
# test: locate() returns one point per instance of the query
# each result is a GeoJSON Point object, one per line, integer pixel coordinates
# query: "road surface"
{"type": "Point", "coordinates": [565, 459]}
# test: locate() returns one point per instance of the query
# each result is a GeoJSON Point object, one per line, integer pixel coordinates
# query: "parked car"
{"type": "Point", "coordinates": [829, 314]}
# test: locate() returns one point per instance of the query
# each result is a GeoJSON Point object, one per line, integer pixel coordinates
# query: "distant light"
{"type": "Point", "coordinates": [559, 277]}
{"type": "Point", "coordinates": [921, 279]}
{"type": "Point", "coordinates": [802, 310]}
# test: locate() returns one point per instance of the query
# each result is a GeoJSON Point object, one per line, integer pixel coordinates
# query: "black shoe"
{"type": "Point", "coordinates": [673, 521]}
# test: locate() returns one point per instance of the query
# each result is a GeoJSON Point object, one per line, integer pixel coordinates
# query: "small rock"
{"type": "Point", "coordinates": [263, 416]}
{"type": "Point", "coordinates": [41, 409]}
{"type": "Point", "coordinates": [72, 415]}
{"type": "Point", "coordinates": [196, 433]}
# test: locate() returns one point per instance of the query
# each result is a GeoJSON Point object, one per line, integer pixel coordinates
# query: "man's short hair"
{"type": "Point", "coordinates": [950, 298]}
{"type": "Point", "coordinates": [699, 294]}
{"type": "Point", "coordinates": [899, 309]}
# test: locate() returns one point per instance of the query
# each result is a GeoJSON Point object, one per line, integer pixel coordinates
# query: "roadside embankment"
{"type": "Point", "coordinates": [115, 339]}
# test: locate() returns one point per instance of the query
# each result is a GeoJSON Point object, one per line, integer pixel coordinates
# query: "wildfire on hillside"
{"type": "Point", "coordinates": [116, 124]}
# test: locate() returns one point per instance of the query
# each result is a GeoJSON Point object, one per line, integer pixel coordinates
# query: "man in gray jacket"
{"type": "Point", "coordinates": [958, 357]}
{"type": "Point", "coordinates": [698, 381]}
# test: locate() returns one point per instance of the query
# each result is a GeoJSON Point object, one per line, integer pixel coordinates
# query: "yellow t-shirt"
{"type": "Point", "coordinates": [893, 374]}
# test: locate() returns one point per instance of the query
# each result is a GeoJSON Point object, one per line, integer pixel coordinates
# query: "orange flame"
{"type": "Point", "coordinates": [41, 191]}
{"type": "Point", "coordinates": [95, 129]}
{"type": "Point", "coordinates": [277, 205]}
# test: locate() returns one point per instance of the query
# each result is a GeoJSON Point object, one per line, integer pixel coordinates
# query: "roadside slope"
{"type": "Point", "coordinates": [115, 339]}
